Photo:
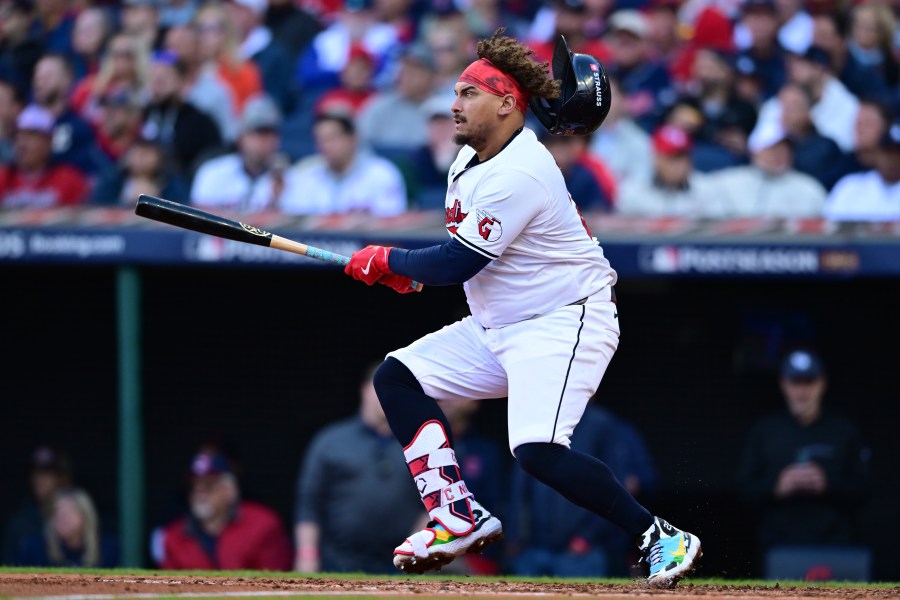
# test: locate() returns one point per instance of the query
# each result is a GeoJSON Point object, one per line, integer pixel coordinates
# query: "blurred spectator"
{"type": "Point", "coordinates": [714, 77]}
{"type": "Point", "coordinates": [222, 531]}
{"type": "Point", "coordinates": [872, 121]}
{"type": "Point", "coordinates": [140, 21]}
{"type": "Point", "coordinates": [142, 170]}
{"type": "Point", "coordinates": [675, 188]}
{"type": "Point", "coordinates": [452, 48]}
{"type": "Point", "coordinates": [393, 119]}
{"type": "Point", "coordinates": [759, 22]}
{"type": "Point", "coordinates": [121, 114]}
{"type": "Point", "coordinates": [768, 187]}
{"type": "Point", "coordinates": [220, 47]}
{"type": "Point", "coordinates": [124, 67]}
{"type": "Point", "coordinates": [547, 535]}
{"type": "Point", "coordinates": [33, 180]}
{"type": "Point", "coordinates": [428, 167]}
{"type": "Point", "coordinates": [55, 22]}
{"type": "Point", "coordinates": [749, 84]}
{"type": "Point", "coordinates": [814, 154]}
{"type": "Point", "coordinates": [664, 34]}
{"type": "Point", "coordinates": [74, 141]}
{"type": "Point", "coordinates": [830, 33]}
{"type": "Point", "coordinates": [483, 17]}
{"type": "Point", "coordinates": [334, 502]}
{"type": "Point", "coordinates": [834, 107]}
{"type": "Point", "coordinates": [20, 46]}
{"type": "Point", "coordinates": [93, 28]}
{"type": "Point", "coordinates": [257, 44]}
{"type": "Point", "coordinates": [176, 13]}
{"type": "Point", "coordinates": [567, 18]}
{"type": "Point", "coordinates": [399, 15]}
{"type": "Point", "coordinates": [644, 81]}
{"type": "Point", "coordinates": [871, 40]}
{"type": "Point", "coordinates": [292, 26]}
{"type": "Point", "coordinates": [252, 179]}
{"type": "Point", "coordinates": [12, 101]}
{"type": "Point", "coordinates": [356, 87]}
{"type": "Point", "coordinates": [710, 30]}
{"type": "Point", "coordinates": [343, 177]}
{"type": "Point", "coordinates": [620, 143]}
{"type": "Point", "coordinates": [872, 195]}
{"type": "Point", "coordinates": [589, 181]}
{"type": "Point", "coordinates": [805, 468]}
{"type": "Point", "coordinates": [72, 536]}
{"type": "Point", "coordinates": [186, 133]}
{"type": "Point", "coordinates": [200, 84]}
{"type": "Point", "coordinates": [49, 471]}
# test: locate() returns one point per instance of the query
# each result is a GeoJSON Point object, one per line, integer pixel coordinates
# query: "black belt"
{"type": "Point", "coordinates": [612, 298]}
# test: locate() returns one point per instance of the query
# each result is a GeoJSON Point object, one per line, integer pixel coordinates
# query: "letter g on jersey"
{"type": "Point", "coordinates": [489, 227]}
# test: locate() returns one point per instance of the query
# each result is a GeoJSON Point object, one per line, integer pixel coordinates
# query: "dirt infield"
{"type": "Point", "coordinates": [84, 586]}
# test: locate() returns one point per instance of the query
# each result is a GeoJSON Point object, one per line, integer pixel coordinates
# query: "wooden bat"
{"type": "Point", "coordinates": [188, 217]}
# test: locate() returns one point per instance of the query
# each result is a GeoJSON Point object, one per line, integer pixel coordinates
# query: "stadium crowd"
{"type": "Point", "coordinates": [721, 108]}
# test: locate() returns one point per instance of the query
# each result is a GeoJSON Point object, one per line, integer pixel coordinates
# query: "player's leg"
{"type": "Point", "coordinates": [451, 364]}
{"type": "Point", "coordinates": [548, 392]}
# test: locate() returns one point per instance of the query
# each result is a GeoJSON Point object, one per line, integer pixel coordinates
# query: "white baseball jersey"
{"type": "Point", "coordinates": [514, 209]}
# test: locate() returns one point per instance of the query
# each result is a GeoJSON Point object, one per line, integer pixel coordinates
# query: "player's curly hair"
{"type": "Point", "coordinates": [514, 59]}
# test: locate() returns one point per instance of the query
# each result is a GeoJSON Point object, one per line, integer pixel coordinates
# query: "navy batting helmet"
{"type": "Point", "coordinates": [584, 97]}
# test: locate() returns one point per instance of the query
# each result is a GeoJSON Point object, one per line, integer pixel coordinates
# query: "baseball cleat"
{"type": "Point", "coordinates": [435, 546]}
{"type": "Point", "coordinates": [670, 552]}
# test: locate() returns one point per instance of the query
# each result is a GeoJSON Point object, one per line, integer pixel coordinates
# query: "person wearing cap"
{"type": "Point", "coordinates": [121, 114]}
{"type": "Point", "coordinates": [221, 531]}
{"type": "Point", "coordinates": [804, 469]}
{"type": "Point", "coordinates": [756, 36]}
{"type": "Point", "coordinates": [871, 195]}
{"type": "Point", "coordinates": [714, 74]}
{"type": "Point", "coordinates": [430, 165]}
{"type": "Point", "coordinates": [252, 179]}
{"type": "Point", "coordinates": [343, 176]}
{"type": "Point", "coordinates": [770, 186]}
{"type": "Point", "coordinates": [143, 169]}
{"type": "Point", "coordinates": [33, 179]}
{"type": "Point", "coordinates": [814, 154]}
{"type": "Point", "coordinates": [675, 189]}
{"type": "Point", "coordinates": [356, 87]}
{"type": "Point", "coordinates": [186, 133]}
{"type": "Point", "coordinates": [393, 119]}
{"type": "Point", "coordinates": [644, 80]}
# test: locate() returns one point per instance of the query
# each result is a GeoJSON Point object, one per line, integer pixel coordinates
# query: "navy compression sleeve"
{"type": "Point", "coordinates": [445, 264]}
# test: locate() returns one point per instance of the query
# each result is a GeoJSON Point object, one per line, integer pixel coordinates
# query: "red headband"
{"type": "Point", "coordinates": [485, 76]}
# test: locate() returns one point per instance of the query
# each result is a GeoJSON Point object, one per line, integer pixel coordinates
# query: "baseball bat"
{"type": "Point", "coordinates": [188, 217]}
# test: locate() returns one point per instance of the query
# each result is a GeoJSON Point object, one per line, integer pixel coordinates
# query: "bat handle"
{"type": "Point", "coordinates": [340, 259]}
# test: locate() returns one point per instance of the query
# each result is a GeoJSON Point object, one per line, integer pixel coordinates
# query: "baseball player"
{"type": "Point", "coordinates": [544, 322]}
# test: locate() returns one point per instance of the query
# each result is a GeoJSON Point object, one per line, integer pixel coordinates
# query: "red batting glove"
{"type": "Point", "coordinates": [399, 283]}
{"type": "Point", "coordinates": [369, 264]}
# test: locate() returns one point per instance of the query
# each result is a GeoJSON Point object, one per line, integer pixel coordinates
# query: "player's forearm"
{"type": "Point", "coordinates": [446, 264]}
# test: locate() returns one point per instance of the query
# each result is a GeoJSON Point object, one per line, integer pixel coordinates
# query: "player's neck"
{"type": "Point", "coordinates": [498, 142]}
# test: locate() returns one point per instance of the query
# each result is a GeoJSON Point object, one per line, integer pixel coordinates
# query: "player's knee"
{"type": "Point", "coordinates": [538, 458]}
{"type": "Point", "coordinates": [392, 374]}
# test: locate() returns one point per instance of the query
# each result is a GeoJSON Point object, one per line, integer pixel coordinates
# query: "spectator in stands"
{"type": "Point", "coordinates": [257, 44]}
{"type": "Point", "coordinates": [200, 84]}
{"type": "Point", "coordinates": [567, 18]}
{"type": "Point", "coordinates": [222, 531]}
{"type": "Point", "coordinates": [33, 180]}
{"type": "Point", "coordinates": [871, 195]}
{"type": "Point", "coordinates": [834, 107]}
{"type": "Point", "coordinates": [402, 103]}
{"type": "Point", "coordinates": [805, 469]}
{"type": "Point", "coordinates": [142, 170]}
{"type": "Point", "coordinates": [814, 154]}
{"type": "Point", "coordinates": [291, 25]}
{"type": "Point", "coordinates": [452, 47]}
{"type": "Point", "coordinates": [49, 471]}
{"type": "Point", "coordinates": [220, 48]}
{"type": "Point", "coordinates": [121, 115]}
{"type": "Point", "coordinates": [714, 75]}
{"type": "Point", "coordinates": [356, 85]}
{"type": "Point", "coordinates": [186, 133]}
{"type": "Point", "coordinates": [872, 121]}
{"type": "Point", "coordinates": [675, 189]}
{"type": "Point", "coordinates": [830, 33]}
{"type": "Point", "coordinates": [483, 17]}
{"type": "Point", "coordinates": [547, 535]}
{"type": "Point", "coordinates": [55, 21]}
{"type": "Point", "coordinates": [124, 66]}
{"type": "Point", "coordinates": [12, 101]}
{"type": "Point", "coordinates": [140, 21]}
{"type": "Point", "coordinates": [620, 143]}
{"type": "Point", "coordinates": [93, 28]}
{"type": "Point", "coordinates": [663, 29]}
{"type": "Point", "coordinates": [72, 536]}
{"type": "Point", "coordinates": [644, 81]}
{"type": "Point", "coordinates": [429, 166]}
{"type": "Point", "coordinates": [331, 511]}
{"type": "Point", "coordinates": [20, 45]}
{"type": "Point", "coordinates": [759, 20]}
{"type": "Point", "coordinates": [343, 177]}
{"type": "Point", "coordinates": [769, 187]}
{"type": "Point", "coordinates": [176, 13]}
{"type": "Point", "coordinates": [871, 40]}
{"type": "Point", "coordinates": [589, 181]}
{"type": "Point", "coordinates": [252, 179]}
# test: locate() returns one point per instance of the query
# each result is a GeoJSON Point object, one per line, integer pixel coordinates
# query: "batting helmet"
{"type": "Point", "coordinates": [584, 97]}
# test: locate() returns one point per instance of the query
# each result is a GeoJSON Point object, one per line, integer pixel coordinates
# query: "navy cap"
{"type": "Point", "coordinates": [802, 365]}
{"type": "Point", "coordinates": [208, 463]}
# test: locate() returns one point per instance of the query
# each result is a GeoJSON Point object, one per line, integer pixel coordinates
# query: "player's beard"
{"type": "Point", "coordinates": [476, 137]}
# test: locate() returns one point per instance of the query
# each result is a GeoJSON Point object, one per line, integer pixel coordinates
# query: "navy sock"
{"type": "Point", "coordinates": [585, 481]}
{"type": "Point", "coordinates": [406, 406]}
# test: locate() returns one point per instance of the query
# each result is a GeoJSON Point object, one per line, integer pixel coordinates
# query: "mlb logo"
{"type": "Point", "coordinates": [595, 68]}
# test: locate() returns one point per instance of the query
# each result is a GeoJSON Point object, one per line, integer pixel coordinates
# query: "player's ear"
{"type": "Point", "coordinates": [507, 105]}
